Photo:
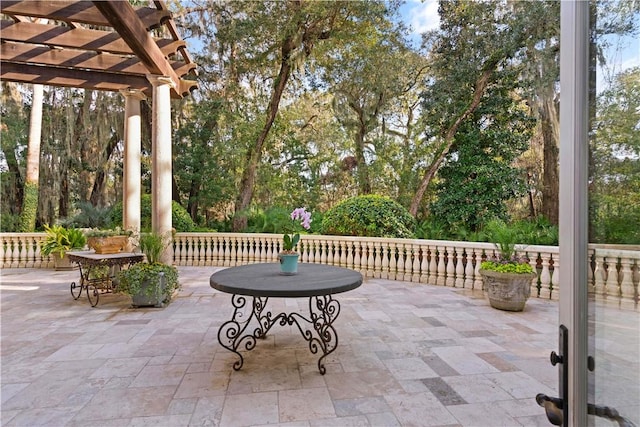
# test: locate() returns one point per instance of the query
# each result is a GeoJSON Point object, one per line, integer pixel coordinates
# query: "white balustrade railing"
{"type": "Point", "coordinates": [614, 273]}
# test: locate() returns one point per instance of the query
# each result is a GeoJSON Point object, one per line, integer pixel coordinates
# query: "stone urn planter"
{"type": "Point", "coordinates": [108, 244]}
{"type": "Point", "coordinates": [507, 291]}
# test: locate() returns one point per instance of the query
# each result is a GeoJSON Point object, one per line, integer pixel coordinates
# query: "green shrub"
{"type": "Point", "coordinates": [180, 218]}
{"type": "Point", "coordinates": [9, 223]}
{"type": "Point", "coordinates": [369, 216]}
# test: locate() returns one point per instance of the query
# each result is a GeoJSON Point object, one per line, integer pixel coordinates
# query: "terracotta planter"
{"type": "Point", "coordinates": [108, 245]}
{"type": "Point", "coordinates": [507, 291]}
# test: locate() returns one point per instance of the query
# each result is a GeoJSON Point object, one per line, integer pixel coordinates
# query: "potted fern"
{"type": "Point", "coordinates": [506, 277]}
{"type": "Point", "coordinates": [150, 283]}
{"type": "Point", "coordinates": [59, 241]}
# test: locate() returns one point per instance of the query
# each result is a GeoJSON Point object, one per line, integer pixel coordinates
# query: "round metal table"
{"type": "Point", "coordinates": [318, 282]}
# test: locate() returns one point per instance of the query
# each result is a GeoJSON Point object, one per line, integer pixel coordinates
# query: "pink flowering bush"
{"type": "Point", "coordinates": [291, 240]}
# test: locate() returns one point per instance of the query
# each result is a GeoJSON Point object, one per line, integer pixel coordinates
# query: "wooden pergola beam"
{"type": "Point", "coordinates": [62, 51]}
{"type": "Point", "coordinates": [123, 19]}
{"type": "Point", "coordinates": [77, 38]}
{"type": "Point", "coordinates": [52, 76]}
{"type": "Point", "coordinates": [70, 58]}
{"type": "Point", "coordinates": [79, 12]}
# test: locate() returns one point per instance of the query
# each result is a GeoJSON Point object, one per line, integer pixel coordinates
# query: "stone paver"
{"type": "Point", "coordinates": [408, 355]}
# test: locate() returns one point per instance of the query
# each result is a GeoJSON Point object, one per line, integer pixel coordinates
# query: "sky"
{"type": "Point", "coordinates": [421, 16]}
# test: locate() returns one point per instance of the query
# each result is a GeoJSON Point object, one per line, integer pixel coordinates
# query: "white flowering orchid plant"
{"type": "Point", "coordinates": [291, 240]}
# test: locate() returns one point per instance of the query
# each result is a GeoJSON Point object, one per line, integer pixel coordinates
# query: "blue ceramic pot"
{"type": "Point", "coordinates": [288, 264]}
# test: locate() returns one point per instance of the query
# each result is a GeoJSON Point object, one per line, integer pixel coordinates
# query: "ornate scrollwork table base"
{"type": "Point", "coordinates": [252, 286]}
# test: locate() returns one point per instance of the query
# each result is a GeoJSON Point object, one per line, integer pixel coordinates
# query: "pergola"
{"type": "Point", "coordinates": [113, 46]}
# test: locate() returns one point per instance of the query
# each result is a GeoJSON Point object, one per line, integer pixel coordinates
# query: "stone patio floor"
{"type": "Point", "coordinates": [408, 355]}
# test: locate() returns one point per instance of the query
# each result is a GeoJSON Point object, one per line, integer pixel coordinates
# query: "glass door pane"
{"type": "Point", "coordinates": [614, 211]}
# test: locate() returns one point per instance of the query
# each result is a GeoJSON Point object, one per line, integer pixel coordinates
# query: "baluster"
{"type": "Point", "coordinates": [350, 253]}
{"type": "Point", "coordinates": [3, 252]}
{"type": "Point", "coordinates": [383, 253]}
{"type": "Point", "coordinates": [343, 248]}
{"type": "Point", "coordinates": [243, 250]}
{"type": "Point", "coordinates": [192, 251]}
{"type": "Point", "coordinates": [206, 250]}
{"type": "Point", "coordinates": [37, 255]}
{"type": "Point", "coordinates": [22, 252]}
{"type": "Point", "coordinates": [600, 276]}
{"type": "Point", "coordinates": [10, 261]}
{"type": "Point", "coordinates": [408, 262]}
{"type": "Point", "coordinates": [323, 253]}
{"type": "Point", "coordinates": [545, 276]}
{"type": "Point", "coordinates": [416, 263]}
{"type": "Point", "coordinates": [184, 245]}
{"type": "Point", "coordinates": [433, 265]}
{"type": "Point", "coordinates": [469, 271]}
{"type": "Point", "coordinates": [627, 291]}
{"type": "Point", "coordinates": [458, 281]}
{"type": "Point", "coordinates": [442, 268]}
{"type": "Point", "coordinates": [175, 244]}
{"type": "Point", "coordinates": [215, 250]}
{"type": "Point", "coordinates": [591, 286]}
{"type": "Point", "coordinates": [266, 254]}
{"type": "Point", "coordinates": [611, 285]}
{"type": "Point", "coordinates": [200, 250]}
{"type": "Point", "coordinates": [30, 243]}
{"type": "Point", "coordinates": [227, 251]}
{"type": "Point", "coordinates": [309, 250]}
{"type": "Point", "coordinates": [555, 277]}
{"type": "Point", "coordinates": [357, 255]}
{"type": "Point", "coordinates": [424, 263]}
{"type": "Point", "coordinates": [370, 254]}
{"type": "Point", "coordinates": [252, 250]}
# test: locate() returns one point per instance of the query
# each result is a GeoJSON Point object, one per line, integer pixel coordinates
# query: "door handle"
{"type": "Point", "coordinates": [557, 408]}
{"type": "Point", "coordinates": [553, 408]}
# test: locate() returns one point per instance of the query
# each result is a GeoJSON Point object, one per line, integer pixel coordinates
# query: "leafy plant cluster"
{"type": "Point", "coordinates": [505, 238]}
{"type": "Point", "coordinates": [370, 216]}
{"type": "Point", "coordinates": [144, 277]}
{"type": "Point", "coordinates": [537, 231]}
{"type": "Point", "coordinates": [59, 240]}
{"type": "Point", "coordinates": [132, 280]}
{"type": "Point", "coordinates": [507, 267]}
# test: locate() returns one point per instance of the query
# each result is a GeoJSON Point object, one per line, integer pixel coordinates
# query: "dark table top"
{"type": "Point", "coordinates": [265, 280]}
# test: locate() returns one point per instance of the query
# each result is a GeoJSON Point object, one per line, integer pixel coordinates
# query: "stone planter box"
{"type": "Point", "coordinates": [108, 245]}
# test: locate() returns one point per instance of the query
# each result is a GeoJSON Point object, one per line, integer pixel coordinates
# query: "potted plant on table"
{"type": "Point", "coordinates": [288, 256]}
{"type": "Point", "coordinates": [150, 283]}
{"type": "Point", "coordinates": [506, 277]}
{"type": "Point", "coordinates": [108, 241]}
{"type": "Point", "coordinates": [59, 241]}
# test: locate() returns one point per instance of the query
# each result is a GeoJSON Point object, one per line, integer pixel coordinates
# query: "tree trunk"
{"type": "Point", "coordinates": [449, 135]}
{"type": "Point", "coordinates": [30, 200]}
{"type": "Point", "coordinates": [364, 182]}
{"type": "Point", "coordinates": [254, 153]}
{"type": "Point", "coordinates": [550, 177]}
{"type": "Point", "coordinates": [97, 197]}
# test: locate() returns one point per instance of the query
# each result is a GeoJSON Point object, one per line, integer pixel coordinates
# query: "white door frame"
{"type": "Point", "coordinates": [573, 238]}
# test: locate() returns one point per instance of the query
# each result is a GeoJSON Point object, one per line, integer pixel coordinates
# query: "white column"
{"type": "Point", "coordinates": [132, 148]}
{"type": "Point", "coordinates": [161, 162]}
{"type": "Point", "coordinates": [574, 102]}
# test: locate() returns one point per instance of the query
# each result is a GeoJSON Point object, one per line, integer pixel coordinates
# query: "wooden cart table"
{"type": "Point", "coordinates": [97, 272]}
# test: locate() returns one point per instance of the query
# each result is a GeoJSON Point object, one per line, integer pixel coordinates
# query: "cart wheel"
{"type": "Point", "coordinates": [93, 295]}
{"type": "Point", "coordinates": [76, 290]}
